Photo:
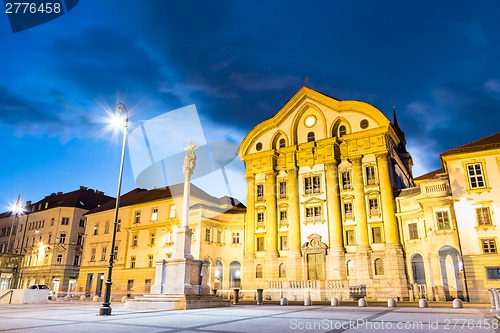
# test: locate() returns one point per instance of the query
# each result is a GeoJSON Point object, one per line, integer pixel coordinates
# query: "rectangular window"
{"type": "Point", "coordinates": [59, 259]}
{"type": "Point", "coordinates": [373, 206]}
{"type": "Point", "coordinates": [82, 223]}
{"type": "Point", "coordinates": [135, 240]}
{"type": "Point", "coordinates": [219, 236]}
{"type": "Point", "coordinates": [208, 234]}
{"type": "Point", "coordinates": [76, 260]}
{"type": "Point", "coordinates": [147, 285]}
{"type": "Point", "coordinates": [283, 217]}
{"type": "Point", "coordinates": [79, 240]}
{"type": "Point", "coordinates": [370, 175]}
{"type": "Point", "coordinates": [284, 243]}
{"type": "Point", "coordinates": [65, 221]}
{"type": "Point", "coordinates": [137, 218]}
{"type": "Point", "coordinates": [152, 238]}
{"type": "Point", "coordinates": [350, 237]}
{"type": "Point", "coordinates": [154, 214]}
{"type": "Point", "coordinates": [236, 237]}
{"type": "Point", "coordinates": [413, 230]}
{"type": "Point", "coordinates": [346, 180]}
{"type": "Point", "coordinates": [483, 216]}
{"type": "Point", "coordinates": [475, 174]}
{"type": "Point", "coordinates": [313, 213]}
{"type": "Point", "coordinates": [118, 225]}
{"type": "Point", "coordinates": [103, 253]}
{"type": "Point", "coordinates": [96, 229]}
{"type": "Point", "coordinates": [260, 192]}
{"type": "Point", "coordinates": [348, 210]}
{"type": "Point", "coordinates": [316, 184]}
{"type": "Point", "coordinates": [52, 221]}
{"type": "Point", "coordinates": [150, 260]}
{"type": "Point", "coordinates": [106, 227]}
{"type": "Point", "coordinates": [62, 238]}
{"type": "Point", "coordinates": [442, 220]}
{"type": "Point", "coordinates": [260, 219]}
{"type": "Point", "coordinates": [260, 244]}
{"type": "Point", "coordinates": [377, 235]}
{"type": "Point", "coordinates": [282, 189]}
{"type": "Point", "coordinates": [130, 285]}
{"type": "Point", "coordinates": [493, 273]}
{"type": "Point", "coordinates": [132, 262]}
{"type": "Point", "coordinates": [173, 212]}
{"type": "Point", "coordinates": [489, 245]}
{"type": "Point", "coordinates": [92, 254]}
{"type": "Point", "coordinates": [307, 185]}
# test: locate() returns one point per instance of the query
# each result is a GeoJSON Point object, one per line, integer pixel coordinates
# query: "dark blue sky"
{"type": "Point", "coordinates": [239, 62]}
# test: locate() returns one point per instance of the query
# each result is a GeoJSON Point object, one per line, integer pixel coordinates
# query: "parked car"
{"type": "Point", "coordinates": [42, 286]}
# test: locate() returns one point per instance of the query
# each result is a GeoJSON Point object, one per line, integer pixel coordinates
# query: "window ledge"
{"type": "Point", "coordinates": [478, 190]}
{"type": "Point", "coordinates": [485, 227]}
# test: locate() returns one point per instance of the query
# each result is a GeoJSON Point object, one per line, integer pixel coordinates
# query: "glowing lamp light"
{"type": "Point", "coordinates": [217, 273]}
{"type": "Point", "coordinates": [237, 274]}
{"type": "Point", "coordinates": [117, 121]}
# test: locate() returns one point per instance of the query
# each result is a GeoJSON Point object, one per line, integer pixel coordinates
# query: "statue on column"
{"type": "Point", "coordinates": [189, 160]}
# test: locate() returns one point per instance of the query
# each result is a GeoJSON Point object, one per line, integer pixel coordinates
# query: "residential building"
{"type": "Point", "coordinates": [146, 233]}
{"type": "Point", "coordinates": [474, 175]}
{"type": "Point", "coordinates": [320, 205]}
{"type": "Point", "coordinates": [430, 237]}
{"type": "Point", "coordinates": [50, 237]}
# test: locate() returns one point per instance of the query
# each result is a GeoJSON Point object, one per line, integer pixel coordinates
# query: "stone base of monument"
{"type": "Point", "coordinates": [180, 284]}
{"type": "Point", "coordinates": [176, 302]}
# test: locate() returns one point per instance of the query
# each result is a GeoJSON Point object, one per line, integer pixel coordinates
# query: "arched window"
{"type": "Point", "coordinates": [350, 268]}
{"type": "Point", "coordinates": [379, 266]}
{"type": "Point", "coordinates": [282, 272]}
{"type": "Point", "coordinates": [282, 143]}
{"type": "Point", "coordinates": [234, 274]}
{"type": "Point", "coordinates": [218, 274]}
{"type": "Point", "coordinates": [342, 130]}
{"type": "Point", "coordinates": [310, 137]}
{"type": "Point", "coordinates": [258, 271]}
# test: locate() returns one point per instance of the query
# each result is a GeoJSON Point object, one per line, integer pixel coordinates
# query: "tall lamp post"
{"type": "Point", "coordinates": [17, 209]}
{"type": "Point", "coordinates": [105, 309]}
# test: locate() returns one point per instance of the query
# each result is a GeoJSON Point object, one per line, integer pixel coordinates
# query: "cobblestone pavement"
{"type": "Point", "coordinates": [82, 317]}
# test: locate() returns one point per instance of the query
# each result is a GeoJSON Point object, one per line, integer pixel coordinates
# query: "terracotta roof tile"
{"type": "Point", "coordinates": [486, 143]}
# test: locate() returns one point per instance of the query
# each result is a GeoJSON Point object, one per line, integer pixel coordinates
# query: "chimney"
{"type": "Point", "coordinates": [83, 188]}
{"type": "Point", "coordinates": [59, 193]}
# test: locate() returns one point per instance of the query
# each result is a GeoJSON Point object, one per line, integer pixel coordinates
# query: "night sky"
{"type": "Point", "coordinates": [239, 62]}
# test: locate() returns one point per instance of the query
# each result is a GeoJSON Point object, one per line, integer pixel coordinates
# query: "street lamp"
{"type": "Point", "coordinates": [105, 309]}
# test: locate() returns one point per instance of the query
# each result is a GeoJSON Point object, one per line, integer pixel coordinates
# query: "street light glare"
{"type": "Point", "coordinates": [117, 121]}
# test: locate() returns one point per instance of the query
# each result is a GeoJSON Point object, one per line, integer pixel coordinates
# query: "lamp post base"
{"type": "Point", "coordinates": [105, 311]}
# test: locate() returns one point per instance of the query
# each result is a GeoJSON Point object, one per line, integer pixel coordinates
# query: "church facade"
{"type": "Point", "coordinates": [320, 219]}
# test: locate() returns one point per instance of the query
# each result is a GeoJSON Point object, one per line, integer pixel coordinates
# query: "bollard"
{"type": "Point", "coordinates": [66, 298]}
{"type": "Point", "coordinates": [307, 299]}
{"type": "Point", "coordinates": [124, 298]}
{"type": "Point", "coordinates": [457, 303]}
{"type": "Point", "coordinates": [95, 298]}
{"type": "Point", "coordinates": [361, 302]}
{"type": "Point", "coordinates": [236, 294]}
{"type": "Point", "coordinates": [259, 296]}
{"type": "Point", "coordinates": [391, 303]}
{"type": "Point", "coordinates": [284, 301]}
{"type": "Point", "coordinates": [334, 302]}
{"type": "Point", "coordinates": [423, 303]}
{"type": "Point", "coordinates": [82, 298]}
{"type": "Point", "coordinates": [214, 292]}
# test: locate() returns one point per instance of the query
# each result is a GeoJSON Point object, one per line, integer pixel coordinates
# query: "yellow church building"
{"type": "Point", "coordinates": [320, 219]}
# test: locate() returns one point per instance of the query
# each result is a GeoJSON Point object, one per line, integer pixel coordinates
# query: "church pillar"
{"type": "Point", "coordinates": [271, 257]}
{"type": "Point", "coordinates": [336, 254]}
{"type": "Point", "coordinates": [250, 218]}
{"type": "Point", "coordinates": [360, 205]}
{"type": "Point", "coordinates": [294, 262]}
{"type": "Point", "coordinates": [387, 198]}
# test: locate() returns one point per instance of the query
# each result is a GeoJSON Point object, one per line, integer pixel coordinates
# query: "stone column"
{"type": "Point", "coordinates": [336, 255]}
{"type": "Point", "coordinates": [360, 205]}
{"type": "Point", "coordinates": [250, 218]}
{"type": "Point", "coordinates": [293, 213]}
{"type": "Point", "coordinates": [294, 262]}
{"type": "Point", "coordinates": [387, 201]}
{"type": "Point", "coordinates": [271, 216]}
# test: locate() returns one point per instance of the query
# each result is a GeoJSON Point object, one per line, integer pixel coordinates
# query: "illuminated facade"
{"type": "Point", "coordinates": [320, 205]}
{"type": "Point", "coordinates": [148, 220]}
{"type": "Point", "coordinates": [50, 238]}
{"type": "Point", "coordinates": [474, 174]}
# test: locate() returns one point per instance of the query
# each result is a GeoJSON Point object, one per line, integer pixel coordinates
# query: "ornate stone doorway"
{"type": "Point", "coordinates": [314, 253]}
